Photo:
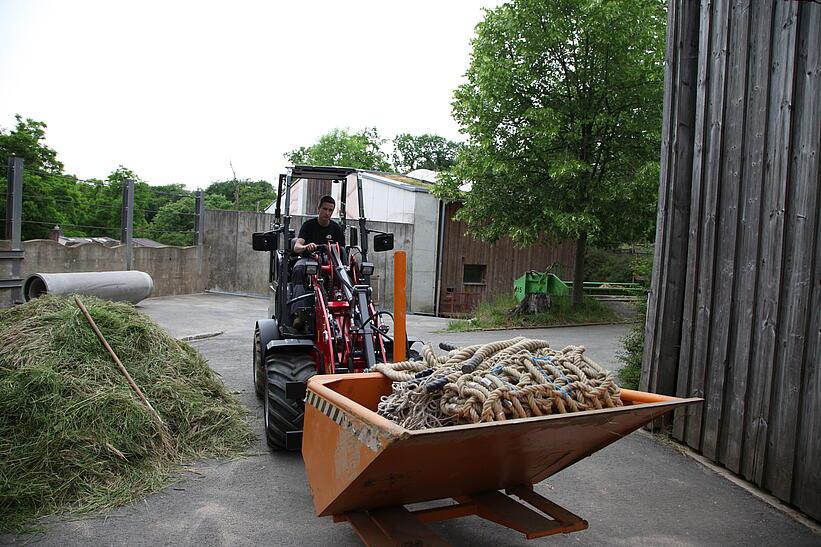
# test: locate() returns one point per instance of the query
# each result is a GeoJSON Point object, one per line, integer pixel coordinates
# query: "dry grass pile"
{"type": "Point", "coordinates": [73, 434]}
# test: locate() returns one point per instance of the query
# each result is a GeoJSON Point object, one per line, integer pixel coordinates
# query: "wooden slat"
{"type": "Point", "coordinates": [447, 512]}
{"type": "Point", "coordinates": [807, 475]}
{"type": "Point", "coordinates": [711, 183]}
{"type": "Point", "coordinates": [683, 383]}
{"type": "Point", "coordinates": [649, 374]}
{"type": "Point", "coordinates": [569, 521]}
{"type": "Point", "coordinates": [729, 181]}
{"type": "Point", "coordinates": [800, 232]}
{"type": "Point", "coordinates": [368, 531]}
{"type": "Point", "coordinates": [501, 509]}
{"type": "Point", "coordinates": [665, 300]}
{"type": "Point", "coordinates": [744, 290]}
{"type": "Point", "coordinates": [403, 528]}
{"type": "Point", "coordinates": [772, 230]}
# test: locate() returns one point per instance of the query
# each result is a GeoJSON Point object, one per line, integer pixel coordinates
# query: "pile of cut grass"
{"type": "Point", "coordinates": [74, 437]}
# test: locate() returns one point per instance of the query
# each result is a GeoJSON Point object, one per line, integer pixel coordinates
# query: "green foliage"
{"type": "Point", "coordinates": [344, 149]}
{"type": "Point", "coordinates": [26, 141]}
{"type": "Point", "coordinates": [50, 194]}
{"type": "Point", "coordinates": [494, 314]}
{"type": "Point", "coordinates": [74, 436]}
{"type": "Point", "coordinates": [244, 195]}
{"type": "Point", "coordinates": [562, 107]}
{"type": "Point", "coordinates": [174, 222]}
{"type": "Point", "coordinates": [608, 265]}
{"type": "Point", "coordinates": [633, 350]}
{"type": "Point", "coordinates": [423, 152]}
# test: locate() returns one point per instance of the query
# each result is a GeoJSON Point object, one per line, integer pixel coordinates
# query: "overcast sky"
{"type": "Point", "coordinates": [175, 90]}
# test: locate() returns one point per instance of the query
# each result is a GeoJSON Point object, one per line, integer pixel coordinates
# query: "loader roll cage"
{"type": "Point", "coordinates": [282, 236]}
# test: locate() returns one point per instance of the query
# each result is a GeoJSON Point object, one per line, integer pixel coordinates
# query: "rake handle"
{"type": "Point", "coordinates": [119, 363]}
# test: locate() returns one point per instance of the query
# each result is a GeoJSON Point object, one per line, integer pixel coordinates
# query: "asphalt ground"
{"type": "Point", "coordinates": [638, 491]}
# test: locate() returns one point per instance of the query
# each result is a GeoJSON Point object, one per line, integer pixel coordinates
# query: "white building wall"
{"type": "Point", "coordinates": [423, 265]}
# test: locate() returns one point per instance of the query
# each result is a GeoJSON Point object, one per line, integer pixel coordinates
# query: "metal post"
{"type": "Point", "coordinates": [11, 251]}
{"type": "Point", "coordinates": [199, 228]}
{"type": "Point", "coordinates": [400, 337]}
{"type": "Point", "coordinates": [127, 223]}
{"type": "Point", "coordinates": [14, 202]}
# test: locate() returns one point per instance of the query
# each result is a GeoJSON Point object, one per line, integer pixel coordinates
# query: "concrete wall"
{"type": "Point", "coordinates": [229, 262]}
{"type": "Point", "coordinates": [233, 266]}
{"type": "Point", "coordinates": [173, 269]}
{"type": "Point", "coordinates": [10, 275]}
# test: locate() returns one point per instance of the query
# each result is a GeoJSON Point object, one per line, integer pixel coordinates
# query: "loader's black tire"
{"type": "Point", "coordinates": [259, 366]}
{"type": "Point", "coordinates": [281, 414]}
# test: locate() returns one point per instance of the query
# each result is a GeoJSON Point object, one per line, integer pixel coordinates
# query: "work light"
{"type": "Point", "coordinates": [367, 268]}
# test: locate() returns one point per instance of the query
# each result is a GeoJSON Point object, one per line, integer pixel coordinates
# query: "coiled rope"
{"type": "Point", "coordinates": [516, 378]}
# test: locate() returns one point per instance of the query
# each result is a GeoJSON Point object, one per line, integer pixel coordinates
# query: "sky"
{"type": "Point", "coordinates": [180, 91]}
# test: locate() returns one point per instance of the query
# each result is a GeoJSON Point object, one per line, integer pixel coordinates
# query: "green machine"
{"type": "Point", "coordinates": [539, 282]}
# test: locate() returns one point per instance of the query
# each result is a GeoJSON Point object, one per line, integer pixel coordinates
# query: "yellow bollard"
{"type": "Point", "coordinates": [399, 305]}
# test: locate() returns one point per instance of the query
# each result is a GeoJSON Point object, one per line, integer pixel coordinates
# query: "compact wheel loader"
{"type": "Point", "coordinates": [321, 316]}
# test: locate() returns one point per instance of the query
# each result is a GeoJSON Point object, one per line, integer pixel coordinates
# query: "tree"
{"type": "Point", "coordinates": [49, 197]}
{"type": "Point", "coordinates": [254, 195]}
{"type": "Point", "coordinates": [339, 147]}
{"type": "Point", "coordinates": [423, 152]}
{"type": "Point", "coordinates": [562, 107]}
{"type": "Point", "coordinates": [26, 141]}
{"type": "Point", "coordinates": [174, 222]}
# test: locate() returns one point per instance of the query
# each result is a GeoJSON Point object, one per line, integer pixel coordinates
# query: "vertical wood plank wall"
{"type": "Point", "coordinates": [503, 260]}
{"type": "Point", "coordinates": [733, 313]}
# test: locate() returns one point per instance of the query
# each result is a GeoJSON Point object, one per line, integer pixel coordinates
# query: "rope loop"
{"type": "Point", "coordinates": [504, 380]}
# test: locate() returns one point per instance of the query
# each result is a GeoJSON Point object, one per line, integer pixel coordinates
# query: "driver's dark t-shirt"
{"type": "Point", "coordinates": [312, 232]}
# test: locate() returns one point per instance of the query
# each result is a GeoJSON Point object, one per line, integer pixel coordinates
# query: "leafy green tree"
{"type": "Point", "coordinates": [423, 152]}
{"type": "Point", "coordinates": [26, 141]}
{"type": "Point", "coordinates": [174, 222]}
{"type": "Point", "coordinates": [339, 147]}
{"type": "Point", "coordinates": [49, 196]}
{"type": "Point", "coordinates": [562, 107]}
{"type": "Point", "coordinates": [244, 195]}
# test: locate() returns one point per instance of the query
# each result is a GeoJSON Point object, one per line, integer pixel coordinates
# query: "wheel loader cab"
{"type": "Point", "coordinates": [322, 316]}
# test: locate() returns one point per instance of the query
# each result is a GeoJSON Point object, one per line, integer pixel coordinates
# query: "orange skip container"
{"type": "Point", "coordinates": [357, 461]}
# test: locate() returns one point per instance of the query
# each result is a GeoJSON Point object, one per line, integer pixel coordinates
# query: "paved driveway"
{"type": "Point", "coordinates": [638, 491]}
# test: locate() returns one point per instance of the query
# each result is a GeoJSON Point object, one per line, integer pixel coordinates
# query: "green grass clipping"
{"type": "Point", "coordinates": [74, 436]}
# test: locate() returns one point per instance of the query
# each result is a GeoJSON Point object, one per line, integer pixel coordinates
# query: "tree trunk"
{"type": "Point", "coordinates": [532, 303]}
{"type": "Point", "coordinates": [578, 270]}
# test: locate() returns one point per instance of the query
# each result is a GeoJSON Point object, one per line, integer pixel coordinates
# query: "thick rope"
{"type": "Point", "coordinates": [516, 378]}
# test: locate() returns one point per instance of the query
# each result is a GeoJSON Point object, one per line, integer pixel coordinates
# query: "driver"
{"type": "Point", "coordinates": [318, 231]}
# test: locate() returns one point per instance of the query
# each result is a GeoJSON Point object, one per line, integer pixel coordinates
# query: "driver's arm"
{"type": "Point", "coordinates": [300, 246]}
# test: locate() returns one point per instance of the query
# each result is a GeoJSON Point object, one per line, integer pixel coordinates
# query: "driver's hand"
{"type": "Point", "coordinates": [311, 247]}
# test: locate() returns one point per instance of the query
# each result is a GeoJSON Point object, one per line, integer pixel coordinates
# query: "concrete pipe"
{"type": "Point", "coordinates": [130, 286]}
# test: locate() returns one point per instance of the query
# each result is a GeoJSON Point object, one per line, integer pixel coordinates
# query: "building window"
{"type": "Point", "coordinates": [474, 274]}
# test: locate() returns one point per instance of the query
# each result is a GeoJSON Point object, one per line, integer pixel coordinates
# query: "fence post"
{"type": "Point", "coordinates": [14, 202]}
{"type": "Point", "coordinates": [127, 223]}
{"type": "Point", "coordinates": [199, 230]}
{"type": "Point", "coordinates": [11, 252]}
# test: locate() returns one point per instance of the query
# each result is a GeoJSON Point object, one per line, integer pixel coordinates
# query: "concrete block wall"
{"type": "Point", "coordinates": [233, 266]}
{"type": "Point", "coordinates": [173, 269]}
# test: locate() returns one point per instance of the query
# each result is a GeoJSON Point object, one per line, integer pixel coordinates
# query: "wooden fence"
{"type": "Point", "coordinates": [733, 314]}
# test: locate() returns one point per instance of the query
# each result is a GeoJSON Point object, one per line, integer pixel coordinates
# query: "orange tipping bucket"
{"type": "Point", "coordinates": [356, 460]}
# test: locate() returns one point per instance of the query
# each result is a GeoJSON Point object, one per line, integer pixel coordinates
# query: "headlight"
{"type": "Point", "coordinates": [366, 268]}
{"type": "Point", "coordinates": [311, 268]}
